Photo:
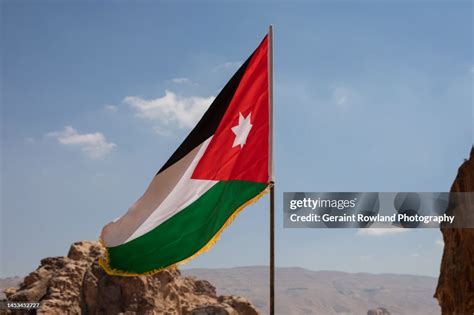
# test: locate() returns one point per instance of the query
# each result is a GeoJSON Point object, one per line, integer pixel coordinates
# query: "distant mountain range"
{"type": "Point", "coordinates": [301, 291]}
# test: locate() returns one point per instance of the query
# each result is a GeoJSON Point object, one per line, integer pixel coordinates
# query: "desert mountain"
{"type": "Point", "coordinates": [301, 291]}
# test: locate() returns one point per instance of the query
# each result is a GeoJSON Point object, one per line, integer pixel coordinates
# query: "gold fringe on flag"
{"type": "Point", "coordinates": [104, 261]}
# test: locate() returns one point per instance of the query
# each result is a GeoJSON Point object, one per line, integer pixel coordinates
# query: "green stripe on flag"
{"type": "Point", "coordinates": [185, 233]}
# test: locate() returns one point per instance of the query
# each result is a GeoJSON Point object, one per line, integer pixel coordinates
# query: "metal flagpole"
{"type": "Point", "coordinates": [272, 248]}
{"type": "Point", "coordinates": [272, 182]}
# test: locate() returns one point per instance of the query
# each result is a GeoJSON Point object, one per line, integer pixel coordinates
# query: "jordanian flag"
{"type": "Point", "coordinates": [222, 166]}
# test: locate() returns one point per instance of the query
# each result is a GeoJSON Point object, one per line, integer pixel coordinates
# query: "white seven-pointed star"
{"type": "Point", "coordinates": [242, 130]}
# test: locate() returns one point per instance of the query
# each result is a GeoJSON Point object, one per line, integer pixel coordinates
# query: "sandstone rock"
{"type": "Point", "coordinates": [77, 284]}
{"type": "Point", "coordinates": [455, 291]}
{"type": "Point", "coordinates": [9, 292]}
{"type": "Point", "coordinates": [9, 284]}
{"type": "Point", "coordinates": [241, 305]}
{"type": "Point", "coordinates": [378, 311]}
{"type": "Point", "coordinates": [212, 310]}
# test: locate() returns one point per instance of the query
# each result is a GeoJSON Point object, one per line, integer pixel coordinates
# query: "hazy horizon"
{"type": "Point", "coordinates": [267, 266]}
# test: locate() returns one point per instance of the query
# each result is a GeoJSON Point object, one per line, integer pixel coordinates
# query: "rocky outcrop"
{"type": "Point", "coordinates": [455, 290]}
{"type": "Point", "coordinates": [378, 311]}
{"type": "Point", "coordinates": [8, 283]}
{"type": "Point", "coordinates": [77, 284]}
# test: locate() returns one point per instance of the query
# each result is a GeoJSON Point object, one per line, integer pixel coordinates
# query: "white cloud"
{"type": "Point", "coordinates": [181, 80]}
{"type": "Point", "coordinates": [94, 145]}
{"type": "Point", "coordinates": [232, 65]}
{"type": "Point", "coordinates": [161, 131]}
{"type": "Point", "coordinates": [171, 110]}
{"type": "Point", "coordinates": [111, 108]}
{"type": "Point", "coordinates": [342, 97]}
{"type": "Point", "coordinates": [381, 231]}
{"type": "Point", "coordinates": [439, 243]}
{"type": "Point", "coordinates": [30, 139]}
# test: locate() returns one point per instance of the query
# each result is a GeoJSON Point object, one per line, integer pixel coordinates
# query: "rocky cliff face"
{"type": "Point", "coordinates": [455, 291]}
{"type": "Point", "coordinates": [77, 284]}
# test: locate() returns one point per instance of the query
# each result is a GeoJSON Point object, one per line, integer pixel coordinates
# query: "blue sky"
{"type": "Point", "coordinates": [369, 96]}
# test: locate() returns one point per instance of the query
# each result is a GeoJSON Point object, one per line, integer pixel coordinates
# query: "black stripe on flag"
{"type": "Point", "coordinates": [209, 122]}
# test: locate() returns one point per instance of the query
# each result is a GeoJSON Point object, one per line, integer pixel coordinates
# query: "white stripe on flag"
{"type": "Point", "coordinates": [169, 192]}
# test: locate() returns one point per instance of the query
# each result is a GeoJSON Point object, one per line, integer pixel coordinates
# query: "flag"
{"type": "Point", "coordinates": [221, 167]}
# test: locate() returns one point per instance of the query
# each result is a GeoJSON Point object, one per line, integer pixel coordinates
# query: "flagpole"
{"type": "Point", "coordinates": [272, 248]}
{"type": "Point", "coordinates": [272, 182]}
